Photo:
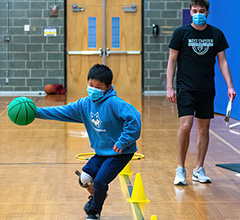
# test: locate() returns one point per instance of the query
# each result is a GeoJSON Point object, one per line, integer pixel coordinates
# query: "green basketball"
{"type": "Point", "coordinates": [22, 111]}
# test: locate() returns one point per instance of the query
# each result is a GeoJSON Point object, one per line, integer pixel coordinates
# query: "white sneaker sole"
{"type": "Point", "coordinates": [200, 181]}
{"type": "Point", "coordinates": [180, 183]}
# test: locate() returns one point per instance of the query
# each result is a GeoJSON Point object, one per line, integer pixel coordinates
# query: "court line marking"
{"type": "Point", "coordinates": [136, 205]}
{"type": "Point", "coordinates": [237, 174]}
{"type": "Point", "coordinates": [3, 112]}
{"type": "Point", "coordinates": [234, 132]}
{"type": "Point", "coordinates": [224, 141]}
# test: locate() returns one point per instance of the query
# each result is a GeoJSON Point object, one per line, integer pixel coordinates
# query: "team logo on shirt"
{"type": "Point", "coordinates": [95, 119]}
{"type": "Point", "coordinates": [200, 46]}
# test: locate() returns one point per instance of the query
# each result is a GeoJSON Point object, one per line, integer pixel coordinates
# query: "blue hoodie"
{"type": "Point", "coordinates": [108, 121]}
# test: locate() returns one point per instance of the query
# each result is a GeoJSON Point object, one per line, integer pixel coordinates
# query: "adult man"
{"type": "Point", "coordinates": [193, 49]}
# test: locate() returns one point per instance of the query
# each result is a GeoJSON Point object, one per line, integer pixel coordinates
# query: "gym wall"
{"type": "Point", "coordinates": [225, 15]}
{"type": "Point", "coordinates": [30, 60]}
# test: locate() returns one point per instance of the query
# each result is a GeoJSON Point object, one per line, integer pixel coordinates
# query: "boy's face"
{"type": "Point", "coordinates": [198, 9]}
{"type": "Point", "coordinates": [98, 85]}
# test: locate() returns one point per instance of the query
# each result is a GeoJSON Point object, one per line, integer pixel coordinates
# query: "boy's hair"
{"type": "Point", "coordinates": [202, 3]}
{"type": "Point", "coordinates": [101, 73]}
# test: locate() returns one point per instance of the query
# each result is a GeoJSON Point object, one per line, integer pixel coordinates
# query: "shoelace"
{"type": "Point", "coordinates": [180, 173]}
{"type": "Point", "coordinates": [201, 171]}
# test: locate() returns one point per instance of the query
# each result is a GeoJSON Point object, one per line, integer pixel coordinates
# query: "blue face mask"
{"type": "Point", "coordinates": [199, 19]}
{"type": "Point", "coordinates": [94, 93]}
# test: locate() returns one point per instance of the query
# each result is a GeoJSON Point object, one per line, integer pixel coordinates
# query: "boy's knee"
{"type": "Point", "coordinates": [85, 180]}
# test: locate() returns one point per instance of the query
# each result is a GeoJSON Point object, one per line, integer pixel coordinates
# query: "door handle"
{"type": "Point", "coordinates": [130, 52]}
{"type": "Point", "coordinates": [132, 8]}
{"type": "Point", "coordinates": [87, 52]}
{"type": "Point", "coordinates": [76, 8]}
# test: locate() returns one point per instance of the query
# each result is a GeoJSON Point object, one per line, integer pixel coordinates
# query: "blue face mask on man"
{"type": "Point", "coordinates": [94, 93]}
{"type": "Point", "coordinates": [199, 19]}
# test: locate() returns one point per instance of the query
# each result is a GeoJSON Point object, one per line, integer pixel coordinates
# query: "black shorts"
{"type": "Point", "coordinates": [199, 104]}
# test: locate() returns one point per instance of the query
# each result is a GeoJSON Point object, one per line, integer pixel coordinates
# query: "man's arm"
{"type": "Point", "coordinates": [172, 63]}
{"type": "Point", "coordinates": [223, 65]}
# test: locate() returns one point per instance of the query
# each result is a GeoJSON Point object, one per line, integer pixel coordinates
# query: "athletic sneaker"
{"type": "Point", "coordinates": [200, 176]}
{"type": "Point", "coordinates": [93, 215]}
{"type": "Point", "coordinates": [180, 176]}
{"type": "Point", "coordinates": [88, 204]}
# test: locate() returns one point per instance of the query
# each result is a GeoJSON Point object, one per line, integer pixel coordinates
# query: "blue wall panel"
{"type": "Point", "coordinates": [225, 15]}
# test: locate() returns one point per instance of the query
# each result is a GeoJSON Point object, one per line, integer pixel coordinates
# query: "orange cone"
{"type": "Point", "coordinates": [153, 217]}
{"type": "Point", "coordinates": [138, 193]}
{"type": "Point", "coordinates": [126, 170]}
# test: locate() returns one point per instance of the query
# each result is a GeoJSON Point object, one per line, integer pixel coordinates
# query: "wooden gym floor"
{"type": "Point", "coordinates": [37, 165]}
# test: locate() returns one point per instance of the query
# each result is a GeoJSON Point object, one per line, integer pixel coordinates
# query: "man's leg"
{"type": "Point", "coordinates": [182, 147]}
{"type": "Point", "coordinates": [203, 140]}
{"type": "Point", "coordinates": [183, 137]}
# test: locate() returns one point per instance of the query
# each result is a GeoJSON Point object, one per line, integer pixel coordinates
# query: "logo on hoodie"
{"type": "Point", "coordinates": [95, 119]}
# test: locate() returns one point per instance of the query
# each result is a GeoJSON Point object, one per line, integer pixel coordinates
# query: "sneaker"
{"type": "Point", "coordinates": [200, 176]}
{"type": "Point", "coordinates": [180, 176]}
{"type": "Point", "coordinates": [93, 215]}
{"type": "Point", "coordinates": [86, 207]}
{"type": "Point", "coordinates": [88, 204]}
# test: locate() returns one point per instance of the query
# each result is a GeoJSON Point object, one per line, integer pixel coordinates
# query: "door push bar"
{"type": "Point", "coordinates": [95, 52]}
{"type": "Point", "coordinates": [108, 52]}
{"type": "Point", "coordinates": [100, 52]}
{"type": "Point", "coordinates": [132, 8]}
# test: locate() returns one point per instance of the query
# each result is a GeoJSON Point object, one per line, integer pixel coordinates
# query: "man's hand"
{"type": "Point", "coordinates": [116, 149]}
{"type": "Point", "coordinates": [231, 93]}
{"type": "Point", "coordinates": [171, 95]}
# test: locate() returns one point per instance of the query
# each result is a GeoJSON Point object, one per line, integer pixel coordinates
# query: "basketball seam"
{"type": "Point", "coordinates": [26, 113]}
{"type": "Point", "coordinates": [19, 104]}
{"type": "Point", "coordinates": [17, 101]}
{"type": "Point", "coordinates": [14, 107]}
{"type": "Point", "coordinates": [17, 114]}
{"type": "Point", "coordinates": [31, 106]}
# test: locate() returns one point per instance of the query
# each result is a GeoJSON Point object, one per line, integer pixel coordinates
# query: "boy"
{"type": "Point", "coordinates": [113, 127]}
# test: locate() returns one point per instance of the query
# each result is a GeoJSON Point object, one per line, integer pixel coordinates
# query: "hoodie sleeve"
{"type": "Point", "coordinates": [131, 126]}
{"type": "Point", "coordinates": [69, 113]}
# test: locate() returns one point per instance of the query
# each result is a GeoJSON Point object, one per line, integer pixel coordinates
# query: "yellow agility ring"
{"type": "Point", "coordinates": [87, 156]}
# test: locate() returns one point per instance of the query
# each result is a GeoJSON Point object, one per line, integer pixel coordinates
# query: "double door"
{"type": "Point", "coordinates": [105, 32]}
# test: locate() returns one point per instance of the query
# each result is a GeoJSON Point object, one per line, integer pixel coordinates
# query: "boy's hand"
{"type": "Point", "coordinates": [116, 149]}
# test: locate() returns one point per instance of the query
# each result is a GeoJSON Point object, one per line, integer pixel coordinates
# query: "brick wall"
{"type": "Point", "coordinates": [168, 15]}
{"type": "Point", "coordinates": [34, 60]}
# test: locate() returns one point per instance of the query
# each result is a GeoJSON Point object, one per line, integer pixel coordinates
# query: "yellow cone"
{"type": "Point", "coordinates": [126, 170]}
{"type": "Point", "coordinates": [138, 193]}
{"type": "Point", "coordinates": [153, 217]}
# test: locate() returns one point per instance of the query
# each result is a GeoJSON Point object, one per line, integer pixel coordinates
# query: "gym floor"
{"type": "Point", "coordinates": [37, 165]}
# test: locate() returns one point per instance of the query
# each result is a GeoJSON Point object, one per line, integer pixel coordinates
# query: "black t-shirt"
{"type": "Point", "coordinates": [197, 53]}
